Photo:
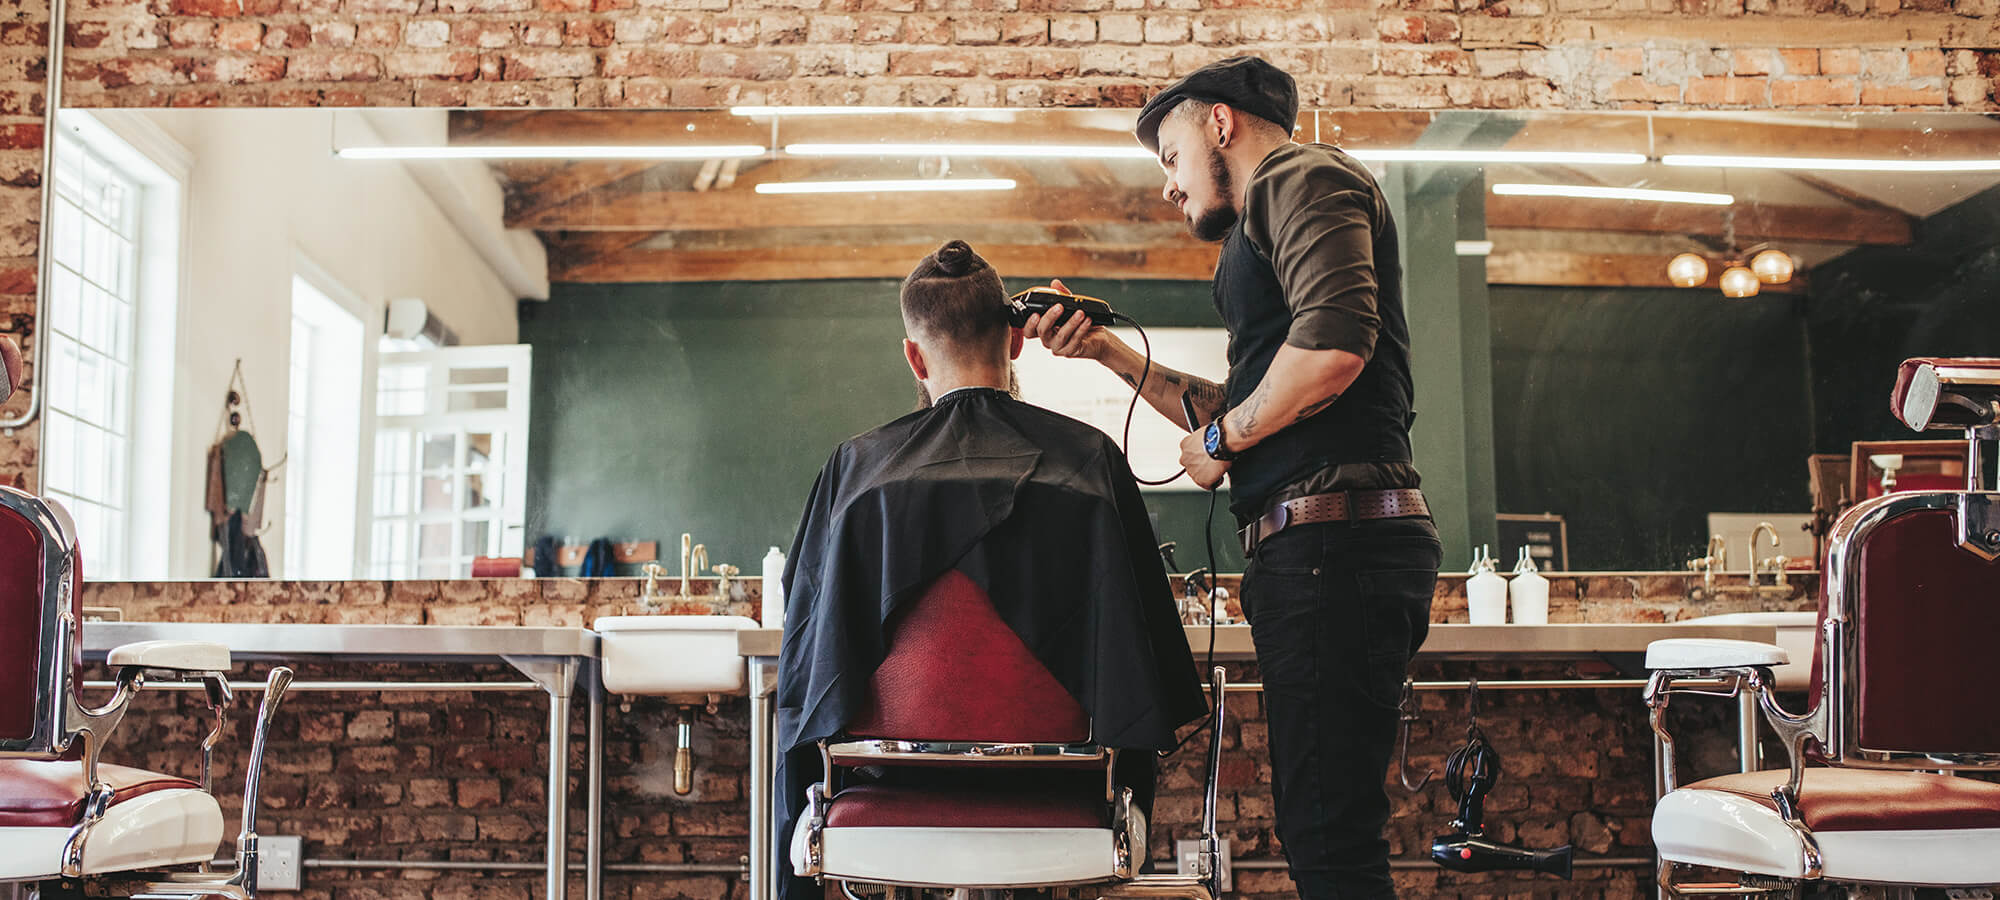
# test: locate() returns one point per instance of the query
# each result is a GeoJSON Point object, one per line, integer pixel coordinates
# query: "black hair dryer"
{"type": "Point", "coordinates": [1470, 774]}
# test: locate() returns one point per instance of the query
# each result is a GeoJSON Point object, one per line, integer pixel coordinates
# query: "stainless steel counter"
{"type": "Point", "coordinates": [552, 657]}
{"type": "Point", "coordinates": [404, 643]}
{"type": "Point", "coordinates": [1447, 641]}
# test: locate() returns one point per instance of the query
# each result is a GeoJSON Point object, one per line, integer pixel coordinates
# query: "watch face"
{"type": "Point", "coordinates": [1212, 439]}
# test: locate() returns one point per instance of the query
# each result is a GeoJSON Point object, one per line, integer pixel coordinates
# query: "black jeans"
{"type": "Point", "coordinates": [1336, 611]}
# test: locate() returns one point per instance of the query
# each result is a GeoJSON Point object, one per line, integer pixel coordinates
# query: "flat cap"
{"type": "Point", "coordinates": [1245, 83]}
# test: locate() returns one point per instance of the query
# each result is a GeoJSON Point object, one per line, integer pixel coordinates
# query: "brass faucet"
{"type": "Point", "coordinates": [1755, 565]}
{"type": "Point", "coordinates": [1717, 558]}
{"type": "Point", "coordinates": [689, 552]}
{"type": "Point", "coordinates": [649, 598]}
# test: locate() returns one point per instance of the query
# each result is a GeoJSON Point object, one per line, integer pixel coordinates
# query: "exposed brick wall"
{"type": "Point", "coordinates": [1576, 54]}
{"type": "Point", "coordinates": [1406, 53]}
{"type": "Point", "coordinates": [459, 776]}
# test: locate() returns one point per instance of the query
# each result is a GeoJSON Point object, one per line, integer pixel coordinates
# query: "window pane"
{"type": "Point", "coordinates": [476, 537]}
{"type": "Point", "coordinates": [490, 375]}
{"type": "Point", "coordinates": [481, 447]}
{"type": "Point", "coordinates": [437, 494]}
{"type": "Point", "coordinates": [65, 301]}
{"type": "Point", "coordinates": [481, 491]}
{"type": "Point", "coordinates": [438, 450]}
{"type": "Point", "coordinates": [433, 540]}
{"type": "Point", "coordinates": [59, 451]}
{"type": "Point", "coordinates": [472, 401]}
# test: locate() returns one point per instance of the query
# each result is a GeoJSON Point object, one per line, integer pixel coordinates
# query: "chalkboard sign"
{"type": "Point", "coordinates": [1545, 536]}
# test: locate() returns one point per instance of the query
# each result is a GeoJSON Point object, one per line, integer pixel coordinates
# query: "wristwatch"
{"type": "Point", "coordinates": [1211, 440]}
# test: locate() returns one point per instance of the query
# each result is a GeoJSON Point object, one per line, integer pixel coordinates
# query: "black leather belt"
{"type": "Point", "coordinates": [1343, 506]}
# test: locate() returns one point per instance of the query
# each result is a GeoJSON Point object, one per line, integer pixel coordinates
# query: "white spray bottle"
{"type": "Point", "coordinates": [771, 613]}
{"type": "Point", "coordinates": [1486, 591]}
{"type": "Point", "coordinates": [1529, 592]}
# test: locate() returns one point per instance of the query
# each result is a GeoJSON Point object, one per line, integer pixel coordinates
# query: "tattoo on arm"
{"type": "Point", "coordinates": [1252, 407]}
{"type": "Point", "coordinates": [1316, 408]}
{"type": "Point", "coordinates": [1134, 382]}
{"type": "Point", "coordinates": [1207, 397]}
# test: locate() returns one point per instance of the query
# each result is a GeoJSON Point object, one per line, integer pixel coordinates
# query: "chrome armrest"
{"type": "Point", "coordinates": [172, 656]}
{"type": "Point", "coordinates": [1681, 654]}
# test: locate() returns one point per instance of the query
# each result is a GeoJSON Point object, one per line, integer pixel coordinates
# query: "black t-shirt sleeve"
{"type": "Point", "coordinates": [1315, 220]}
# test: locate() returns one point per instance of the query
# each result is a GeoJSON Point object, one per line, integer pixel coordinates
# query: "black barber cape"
{"type": "Point", "coordinates": [1037, 508]}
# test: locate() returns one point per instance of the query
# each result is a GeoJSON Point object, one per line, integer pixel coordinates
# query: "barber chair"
{"type": "Point", "coordinates": [1903, 699]}
{"type": "Point", "coordinates": [1036, 807]}
{"type": "Point", "coordinates": [70, 824]}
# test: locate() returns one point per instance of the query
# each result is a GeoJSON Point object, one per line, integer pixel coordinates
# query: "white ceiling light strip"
{"type": "Point", "coordinates": [886, 186]}
{"type": "Point", "coordinates": [649, 151]}
{"type": "Point", "coordinates": [1811, 164]}
{"type": "Point", "coordinates": [1595, 192]}
{"type": "Point", "coordinates": [1500, 157]}
{"type": "Point", "coordinates": [1007, 151]}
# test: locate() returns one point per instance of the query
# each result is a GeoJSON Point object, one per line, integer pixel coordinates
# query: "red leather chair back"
{"type": "Point", "coordinates": [32, 625]}
{"type": "Point", "coordinates": [1927, 622]}
{"type": "Point", "coordinates": [956, 672]}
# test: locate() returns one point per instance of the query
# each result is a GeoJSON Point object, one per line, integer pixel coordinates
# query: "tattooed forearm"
{"type": "Point", "coordinates": [1246, 416]}
{"type": "Point", "coordinates": [1316, 408]}
{"type": "Point", "coordinates": [1134, 382]}
{"type": "Point", "coordinates": [1208, 397]}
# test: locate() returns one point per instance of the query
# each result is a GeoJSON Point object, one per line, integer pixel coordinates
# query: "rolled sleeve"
{"type": "Point", "coordinates": [1318, 229]}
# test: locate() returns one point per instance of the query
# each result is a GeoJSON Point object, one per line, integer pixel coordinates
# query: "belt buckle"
{"type": "Point", "coordinates": [1247, 535]}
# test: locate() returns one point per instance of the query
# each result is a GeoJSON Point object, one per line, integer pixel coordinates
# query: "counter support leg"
{"type": "Point", "coordinates": [593, 873]}
{"type": "Point", "coordinates": [762, 674]}
{"type": "Point", "coordinates": [558, 677]}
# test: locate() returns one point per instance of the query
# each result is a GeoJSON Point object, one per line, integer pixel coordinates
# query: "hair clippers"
{"type": "Point", "coordinates": [1042, 300]}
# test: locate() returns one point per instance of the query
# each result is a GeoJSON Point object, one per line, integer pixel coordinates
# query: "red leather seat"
{"type": "Point", "coordinates": [883, 806]}
{"type": "Point", "coordinates": [1872, 800]}
{"type": "Point", "coordinates": [51, 794]}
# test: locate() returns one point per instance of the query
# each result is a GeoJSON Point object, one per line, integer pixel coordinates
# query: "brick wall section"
{"type": "Point", "coordinates": [1575, 54]}
{"type": "Point", "coordinates": [1363, 53]}
{"type": "Point", "coordinates": [459, 776]}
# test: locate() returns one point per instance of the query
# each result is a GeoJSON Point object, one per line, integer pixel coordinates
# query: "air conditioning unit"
{"type": "Point", "coordinates": [410, 319]}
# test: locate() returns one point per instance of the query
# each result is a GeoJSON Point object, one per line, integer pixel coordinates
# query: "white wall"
{"type": "Point", "coordinates": [265, 190]}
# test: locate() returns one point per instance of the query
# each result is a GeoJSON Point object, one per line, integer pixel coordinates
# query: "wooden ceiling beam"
{"type": "Point", "coordinates": [1753, 223]}
{"type": "Point", "coordinates": [736, 209]}
{"type": "Point", "coordinates": [1193, 262]}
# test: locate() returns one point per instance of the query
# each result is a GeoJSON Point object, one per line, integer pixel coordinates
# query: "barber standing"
{"type": "Point", "coordinates": [1313, 431]}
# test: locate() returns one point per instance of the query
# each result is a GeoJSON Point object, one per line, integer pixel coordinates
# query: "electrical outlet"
{"type": "Point", "coordinates": [1187, 852]}
{"type": "Point", "coordinates": [280, 862]}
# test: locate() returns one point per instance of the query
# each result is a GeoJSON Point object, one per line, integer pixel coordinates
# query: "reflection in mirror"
{"type": "Point", "coordinates": [463, 332]}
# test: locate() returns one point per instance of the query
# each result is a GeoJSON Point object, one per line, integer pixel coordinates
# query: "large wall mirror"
{"type": "Point", "coordinates": [388, 342]}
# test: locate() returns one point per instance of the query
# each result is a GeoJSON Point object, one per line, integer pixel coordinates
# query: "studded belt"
{"type": "Point", "coordinates": [1340, 506]}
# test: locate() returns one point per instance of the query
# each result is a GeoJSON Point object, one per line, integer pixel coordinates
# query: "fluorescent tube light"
{"type": "Point", "coordinates": [1806, 163]}
{"type": "Point", "coordinates": [845, 110]}
{"type": "Point", "coordinates": [886, 186]}
{"type": "Point", "coordinates": [1594, 192]}
{"type": "Point", "coordinates": [1483, 157]}
{"type": "Point", "coordinates": [1472, 248]}
{"type": "Point", "coordinates": [648, 151]}
{"type": "Point", "coordinates": [1014, 151]}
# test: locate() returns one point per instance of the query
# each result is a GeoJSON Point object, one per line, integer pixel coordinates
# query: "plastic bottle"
{"type": "Point", "coordinates": [1529, 592]}
{"type": "Point", "coordinates": [772, 613]}
{"type": "Point", "coordinates": [1486, 592]}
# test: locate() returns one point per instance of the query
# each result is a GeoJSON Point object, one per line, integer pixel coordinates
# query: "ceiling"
{"type": "Point", "coordinates": [647, 221]}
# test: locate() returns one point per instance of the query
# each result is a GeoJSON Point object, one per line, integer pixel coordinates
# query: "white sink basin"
{"type": "Point", "coordinates": [1796, 635]}
{"type": "Point", "coordinates": [670, 654]}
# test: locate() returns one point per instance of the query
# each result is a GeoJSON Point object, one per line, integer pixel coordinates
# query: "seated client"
{"type": "Point", "coordinates": [983, 495]}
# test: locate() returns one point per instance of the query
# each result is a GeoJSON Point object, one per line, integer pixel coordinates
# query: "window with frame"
{"type": "Point", "coordinates": [93, 310]}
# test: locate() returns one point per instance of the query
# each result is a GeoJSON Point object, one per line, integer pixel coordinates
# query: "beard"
{"type": "Point", "coordinates": [1213, 223]}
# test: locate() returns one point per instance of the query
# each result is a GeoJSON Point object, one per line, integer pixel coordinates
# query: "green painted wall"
{"type": "Point", "coordinates": [709, 408]}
